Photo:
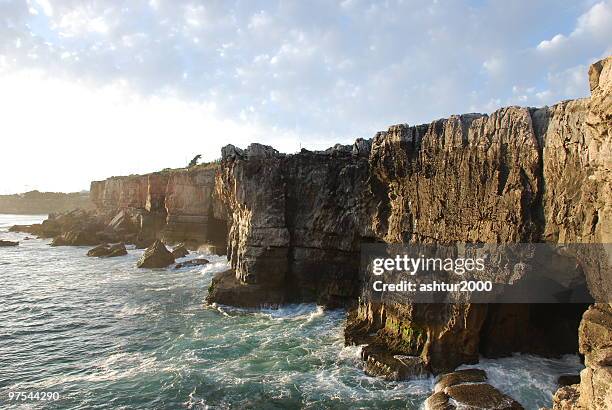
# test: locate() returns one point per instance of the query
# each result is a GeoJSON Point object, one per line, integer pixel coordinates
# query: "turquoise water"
{"type": "Point", "coordinates": [103, 334]}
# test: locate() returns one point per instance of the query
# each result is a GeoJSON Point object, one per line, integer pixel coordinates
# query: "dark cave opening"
{"type": "Point", "coordinates": [545, 329]}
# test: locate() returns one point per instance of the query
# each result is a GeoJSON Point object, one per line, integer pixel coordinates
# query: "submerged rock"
{"type": "Point", "coordinates": [8, 243]}
{"type": "Point", "coordinates": [180, 251]}
{"type": "Point", "coordinates": [192, 262]}
{"type": "Point", "coordinates": [156, 256]}
{"type": "Point", "coordinates": [109, 251]}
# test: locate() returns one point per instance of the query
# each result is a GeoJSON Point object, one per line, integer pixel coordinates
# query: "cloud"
{"type": "Point", "coordinates": [314, 72]}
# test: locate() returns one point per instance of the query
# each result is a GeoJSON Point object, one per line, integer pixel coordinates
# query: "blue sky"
{"type": "Point", "coordinates": [133, 86]}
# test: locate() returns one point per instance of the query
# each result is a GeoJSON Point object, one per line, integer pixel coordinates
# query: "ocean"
{"type": "Point", "coordinates": [90, 333]}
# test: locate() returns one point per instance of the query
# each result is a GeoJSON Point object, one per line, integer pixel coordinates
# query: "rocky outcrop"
{"type": "Point", "coordinates": [4, 243]}
{"type": "Point", "coordinates": [593, 392]}
{"type": "Point", "coordinates": [471, 396]}
{"type": "Point", "coordinates": [296, 222]}
{"type": "Point", "coordinates": [191, 263]}
{"type": "Point", "coordinates": [174, 205]}
{"type": "Point", "coordinates": [108, 251]}
{"type": "Point", "coordinates": [156, 256]}
{"type": "Point", "coordinates": [467, 389]}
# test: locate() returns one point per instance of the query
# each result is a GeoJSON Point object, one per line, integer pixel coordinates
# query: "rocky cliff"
{"type": "Point", "coordinates": [176, 205]}
{"type": "Point", "coordinates": [296, 222]}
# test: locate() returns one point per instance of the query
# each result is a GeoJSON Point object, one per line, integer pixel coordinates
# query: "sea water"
{"type": "Point", "coordinates": [101, 333]}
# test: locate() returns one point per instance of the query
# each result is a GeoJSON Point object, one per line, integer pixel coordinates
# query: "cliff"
{"type": "Point", "coordinates": [175, 205]}
{"type": "Point", "coordinates": [296, 222]}
{"type": "Point", "coordinates": [35, 202]}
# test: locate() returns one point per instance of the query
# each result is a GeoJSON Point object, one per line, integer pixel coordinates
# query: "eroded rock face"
{"type": "Point", "coordinates": [176, 205]}
{"type": "Point", "coordinates": [518, 175]}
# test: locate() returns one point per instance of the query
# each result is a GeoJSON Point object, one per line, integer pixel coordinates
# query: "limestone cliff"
{"type": "Point", "coordinates": [296, 222]}
{"type": "Point", "coordinates": [176, 205]}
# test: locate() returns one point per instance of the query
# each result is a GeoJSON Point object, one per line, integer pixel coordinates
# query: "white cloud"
{"type": "Point", "coordinates": [592, 28]}
{"type": "Point", "coordinates": [45, 6]}
{"type": "Point", "coordinates": [74, 132]}
{"type": "Point", "coordinates": [325, 71]}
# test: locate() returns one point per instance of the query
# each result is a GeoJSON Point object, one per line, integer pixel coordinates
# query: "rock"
{"type": "Point", "coordinates": [156, 256]}
{"type": "Point", "coordinates": [460, 377]}
{"type": "Point", "coordinates": [568, 380]}
{"type": "Point", "coordinates": [226, 289]}
{"type": "Point", "coordinates": [175, 205]}
{"type": "Point", "coordinates": [480, 396]}
{"type": "Point", "coordinates": [108, 251]}
{"type": "Point", "coordinates": [438, 401]}
{"type": "Point", "coordinates": [595, 335]}
{"type": "Point", "coordinates": [76, 238]}
{"type": "Point", "coordinates": [100, 250]}
{"type": "Point", "coordinates": [191, 263]}
{"type": "Point", "coordinates": [379, 362]}
{"type": "Point", "coordinates": [566, 398]}
{"type": "Point", "coordinates": [519, 175]}
{"type": "Point", "coordinates": [180, 251]}
{"type": "Point", "coordinates": [4, 243]}
{"type": "Point", "coordinates": [595, 392]}
{"type": "Point", "coordinates": [117, 250]}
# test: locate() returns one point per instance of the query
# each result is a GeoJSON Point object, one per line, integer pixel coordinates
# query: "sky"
{"type": "Point", "coordinates": [91, 89]}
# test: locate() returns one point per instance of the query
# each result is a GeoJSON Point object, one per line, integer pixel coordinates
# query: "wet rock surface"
{"type": "Point", "coordinates": [4, 243]}
{"type": "Point", "coordinates": [460, 377]}
{"type": "Point", "coordinates": [226, 289]}
{"type": "Point", "coordinates": [191, 263]}
{"type": "Point", "coordinates": [108, 251]}
{"type": "Point", "coordinates": [156, 256]}
{"type": "Point", "coordinates": [466, 389]}
{"type": "Point", "coordinates": [180, 251]}
{"type": "Point", "coordinates": [378, 361]}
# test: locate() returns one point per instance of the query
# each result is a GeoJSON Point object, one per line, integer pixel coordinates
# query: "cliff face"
{"type": "Point", "coordinates": [296, 222]}
{"type": "Point", "coordinates": [176, 205]}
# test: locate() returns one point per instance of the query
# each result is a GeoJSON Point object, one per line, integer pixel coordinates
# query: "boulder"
{"type": "Point", "coordinates": [108, 251]}
{"type": "Point", "coordinates": [481, 396]}
{"type": "Point", "coordinates": [191, 263]}
{"type": "Point", "coordinates": [438, 401]}
{"type": "Point", "coordinates": [460, 377]}
{"type": "Point", "coordinates": [379, 362]}
{"type": "Point", "coordinates": [8, 243]}
{"type": "Point", "coordinates": [76, 238]}
{"type": "Point", "coordinates": [100, 250]}
{"type": "Point", "coordinates": [156, 256]}
{"type": "Point", "coordinates": [180, 251]}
